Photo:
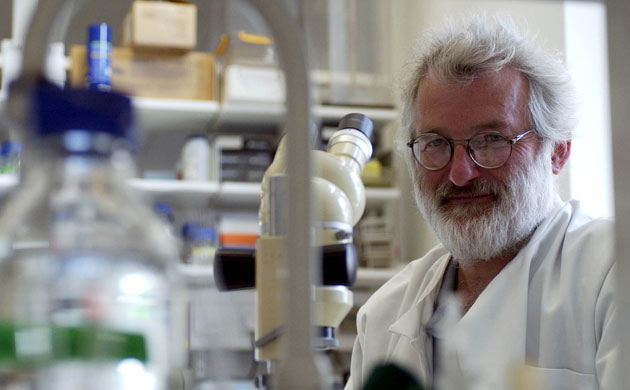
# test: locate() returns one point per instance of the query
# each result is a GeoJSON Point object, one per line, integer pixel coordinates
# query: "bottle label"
{"type": "Point", "coordinates": [31, 344]}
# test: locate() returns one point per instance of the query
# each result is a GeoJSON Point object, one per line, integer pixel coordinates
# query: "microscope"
{"type": "Point", "coordinates": [339, 196]}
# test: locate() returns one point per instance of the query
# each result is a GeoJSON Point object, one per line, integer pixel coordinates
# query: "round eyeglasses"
{"type": "Point", "coordinates": [488, 149]}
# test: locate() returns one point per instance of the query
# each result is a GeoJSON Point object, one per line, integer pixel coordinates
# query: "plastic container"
{"type": "Point", "coordinates": [99, 57]}
{"type": "Point", "coordinates": [195, 160]}
{"type": "Point", "coordinates": [10, 157]}
{"type": "Point", "coordinates": [200, 243]}
{"type": "Point", "coordinates": [88, 294]}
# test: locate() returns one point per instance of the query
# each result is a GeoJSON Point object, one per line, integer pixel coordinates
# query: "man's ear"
{"type": "Point", "coordinates": [560, 155]}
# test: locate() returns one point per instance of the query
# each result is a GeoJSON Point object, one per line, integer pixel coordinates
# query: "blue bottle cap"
{"type": "Point", "coordinates": [205, 234]}
{"type": "Point", "coordinates": [164, 209]}
{"type": "Point", "coordinates": [193, 231]}
{"type": "Point", "coordinates": [99, 32]}
{"type": "Point", "coordinates": [58, 110]}
{"type": "Point", "coordinates": [10, 147]}
{"type": "Point", "coordinates": [188, 227]}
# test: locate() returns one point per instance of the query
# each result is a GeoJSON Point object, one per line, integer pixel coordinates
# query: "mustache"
{"type": "Point", "coordinates": [446, 190]}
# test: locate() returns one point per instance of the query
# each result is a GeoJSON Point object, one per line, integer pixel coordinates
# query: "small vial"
{"type": "Point", "coordinates": [10, 157]}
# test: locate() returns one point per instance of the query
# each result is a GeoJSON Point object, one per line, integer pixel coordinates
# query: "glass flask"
{"type": "Point", "coordinates": [89, 298]}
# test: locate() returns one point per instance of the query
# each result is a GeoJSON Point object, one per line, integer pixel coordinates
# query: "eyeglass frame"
{"type": "Point", "coordinates": [452, 143]}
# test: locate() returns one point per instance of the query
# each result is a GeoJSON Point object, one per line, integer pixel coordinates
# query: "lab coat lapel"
{"type": "Point", "coordinates": [411, 345]}
{"type": "Point", "coordinates": [498, 318]}
{"type": "Point", "coordinates": [490, 337]}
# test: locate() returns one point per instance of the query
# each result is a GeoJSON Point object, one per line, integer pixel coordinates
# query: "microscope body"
{"type": "Point", "coordinates": [339, 200]}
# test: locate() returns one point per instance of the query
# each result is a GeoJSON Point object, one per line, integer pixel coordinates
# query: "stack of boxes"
{"type": "Point", "coordinates": [373, 239]}
{"type": "Point", "coordinates": [157, 57]}
{"type": "Point", "coordinates": [243, 158]}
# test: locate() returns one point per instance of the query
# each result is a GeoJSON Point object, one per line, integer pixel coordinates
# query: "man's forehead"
{"type": "Point", "coordinates": [491, 97]}
{"type": "Point", "coordinates": [504, 75]}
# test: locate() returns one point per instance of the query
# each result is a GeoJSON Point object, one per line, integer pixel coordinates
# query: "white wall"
{"type": "Point", "coordinates": [590, 165]}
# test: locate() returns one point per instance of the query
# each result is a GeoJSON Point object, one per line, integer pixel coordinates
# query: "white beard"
{"type": "Point", "coordinates": [475, 232]}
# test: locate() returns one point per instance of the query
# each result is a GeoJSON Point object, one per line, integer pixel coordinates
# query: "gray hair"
{"type": "Point", "coordinates": [474, 45]}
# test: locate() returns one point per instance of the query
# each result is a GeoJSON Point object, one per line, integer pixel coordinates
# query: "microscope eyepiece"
{"type": "Point", "coordinates": [358, 122]}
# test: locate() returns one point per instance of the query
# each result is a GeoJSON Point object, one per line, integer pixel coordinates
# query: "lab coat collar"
{"type": "Point", "coordinates": [408, 324]}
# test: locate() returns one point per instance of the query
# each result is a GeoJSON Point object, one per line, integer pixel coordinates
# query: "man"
{"type": "Point", "coordinates": [488, 117]}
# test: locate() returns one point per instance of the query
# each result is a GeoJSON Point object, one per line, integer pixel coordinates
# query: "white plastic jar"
{"type": "Point", "coordinates": [195, 159]}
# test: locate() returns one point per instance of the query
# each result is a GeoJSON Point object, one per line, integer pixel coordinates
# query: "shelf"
{"type": "Point", "coordinates": [376, 195]}
{"type": "Point", "coordinates": [198, 116]}
{"type": "Point", "coordinates": [380, 116]}
{"type": "Point", "coordinates": [190, 193]}
{"type": "Point", "coordinates": [196, 193]}
{"type": "Point", "coordinates": [251, 114]}
{"type": "Point", "coordinates": [193, 116]}
{"type": "Point", "coordinates": [201, 194]}
{"type": "Point", "coordinates": [248, 114]}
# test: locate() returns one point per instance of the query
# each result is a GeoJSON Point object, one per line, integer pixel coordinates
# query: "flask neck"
{"type": "Point", "coordinates": [96, 160]}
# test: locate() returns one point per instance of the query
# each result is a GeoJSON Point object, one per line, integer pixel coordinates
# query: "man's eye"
{"type": "Point", "coordinates": [490, 138]}
{"type": "Point", "coordinates": [482, 141]}
{"type": "Point", "coordinates": [435, 143]}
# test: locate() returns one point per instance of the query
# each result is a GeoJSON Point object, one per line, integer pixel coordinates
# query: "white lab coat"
{"type": "Point", "coordinates": [551, 309]}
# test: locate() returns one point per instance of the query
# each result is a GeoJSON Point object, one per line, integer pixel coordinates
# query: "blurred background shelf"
{"type": "Point", "coordinates": [200, 116]}
{"type": "Point", "coordinates": [196, 193]}
{"type": "Point", "coordinates": [158, 115]}
{"type": "Point", "coordinates": [380, 116]}
{"type": "Point", "coordinates": [200, 193]}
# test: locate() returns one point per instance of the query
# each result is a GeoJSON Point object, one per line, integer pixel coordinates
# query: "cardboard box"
{"type": "Point", "coordinates": [161, 25]}
{"type": "Point", "coordinates": [183, 75]}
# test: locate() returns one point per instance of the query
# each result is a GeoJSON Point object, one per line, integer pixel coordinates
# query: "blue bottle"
{"type": "Point", "coordinates": [99, 57]}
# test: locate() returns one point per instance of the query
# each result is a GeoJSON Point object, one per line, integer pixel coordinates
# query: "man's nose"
{"type": "Point", "coordinates": [463, 169]}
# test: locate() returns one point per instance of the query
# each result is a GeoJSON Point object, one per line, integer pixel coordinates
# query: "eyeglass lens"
{"type": "Point", "coordinates": [488, 150]}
